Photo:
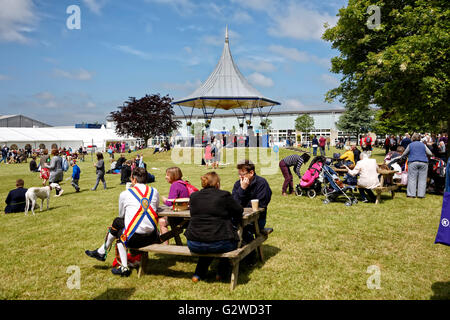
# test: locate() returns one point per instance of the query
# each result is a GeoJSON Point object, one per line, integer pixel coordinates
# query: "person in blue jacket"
{"type": "Point", "coordinates": [75, 175]}
{"type": "Point", "coordinates": [15, 201]}
{"type": "Point", "coordinates": [417, 154]}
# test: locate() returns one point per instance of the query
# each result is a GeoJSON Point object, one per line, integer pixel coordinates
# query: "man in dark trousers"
{"type": "Point", "coordinates": [249, 187]}
{"type": "Point", "coordinates": [15, 201]}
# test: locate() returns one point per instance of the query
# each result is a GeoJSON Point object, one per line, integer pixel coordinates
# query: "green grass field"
{"type": "Point", "coordinates": [316, 251]}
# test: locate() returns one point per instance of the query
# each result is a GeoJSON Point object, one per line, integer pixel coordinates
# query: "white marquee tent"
{"type": "Point", "coordinates": [61, 137]}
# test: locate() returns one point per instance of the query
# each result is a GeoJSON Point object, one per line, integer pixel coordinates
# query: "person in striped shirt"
{"type": "Point", "coordinates": [295, 161]}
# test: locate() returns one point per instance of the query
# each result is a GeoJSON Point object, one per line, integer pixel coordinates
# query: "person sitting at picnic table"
{"type": "Point", "coordinates": [212, 228]}
{"type": "Point", "coordinates": [140, 201]}
{"type": "Point", "coordinates": [177, 190]}
{"type": "Point", "coordinates": [417, 154]}
{"type": "Point", "coordinates": [295, 161]}
{"type": "Point", "coordinates": [368, 177]}
{"type": "Point", "coordinates": [249, 187]}
{"type": "Point", "coordinates": [356, 152]}
{"type": "Point", "coordinates": [348, 155]}
{"type": "Point", "coordinates": [15, 201]}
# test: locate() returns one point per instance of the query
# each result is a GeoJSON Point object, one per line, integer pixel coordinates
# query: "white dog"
{"type": "Point", "coordinates": [34, 193]}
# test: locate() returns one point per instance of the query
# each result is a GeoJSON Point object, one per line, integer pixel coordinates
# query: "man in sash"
{"type": "Point", "coordinates": [136, 226]}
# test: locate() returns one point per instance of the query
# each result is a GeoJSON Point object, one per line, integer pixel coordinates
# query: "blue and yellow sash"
{"type": "Point", "coordinates": [145, 210]}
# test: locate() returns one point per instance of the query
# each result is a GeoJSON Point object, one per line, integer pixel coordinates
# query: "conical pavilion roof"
{"type": "Point", "coordinates": [226, 88]}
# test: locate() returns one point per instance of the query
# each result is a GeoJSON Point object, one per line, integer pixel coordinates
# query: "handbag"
{"type": "Point", "coordinates": [443, 234]}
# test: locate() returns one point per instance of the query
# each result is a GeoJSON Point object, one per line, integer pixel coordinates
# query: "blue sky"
{"type": "Point", "coordinates": [132, 48]}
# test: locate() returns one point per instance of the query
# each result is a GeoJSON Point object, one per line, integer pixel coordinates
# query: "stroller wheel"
{"type": "Point", "coordinates": [355, 201]}
{"type": "Point", "coordinates": [348, 203]}
{"type": "Point", "coordinates": [326, 201]}
{"type": "Point", "coordinates": [324, 190]}
{"type": "Point", "coordinates": [298, 191]}
{"type": "Point", "coordinates": [311, 193]}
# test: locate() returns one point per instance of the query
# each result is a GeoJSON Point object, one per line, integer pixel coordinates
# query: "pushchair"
{"type": "Point", "coordinates": [436, 175]}
{"type": "Point", "coordinates": [311, 182]}
{"type": "Point", "coordinates": [333, 187]}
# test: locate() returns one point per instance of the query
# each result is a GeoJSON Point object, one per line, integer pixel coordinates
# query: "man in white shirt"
{"type": "Point", "coordinates": [136, 226]}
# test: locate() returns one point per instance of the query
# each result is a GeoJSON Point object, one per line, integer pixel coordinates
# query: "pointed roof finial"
{"type": "Point", "coordinates": [226, 34]}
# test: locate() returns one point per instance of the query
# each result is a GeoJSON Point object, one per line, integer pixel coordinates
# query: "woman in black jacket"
{"type": "Point", "coordinates": [212, 228]}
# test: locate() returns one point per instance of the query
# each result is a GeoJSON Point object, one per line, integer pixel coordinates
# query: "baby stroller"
{"type": "Point", "coordinates": [436, 175]}
{"type": "Point", "coordinates": [311, 182]}
{"type": "Point", "coordinates": [334, 187]}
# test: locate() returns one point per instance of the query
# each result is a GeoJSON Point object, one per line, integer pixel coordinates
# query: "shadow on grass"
{"type": "Point", "coordinates": [245, 269]}
{"type": "Point", "coordinates": [161, 266]}
{"type": "Point", "coordinates": [441, 291]}
{"type": "Point", "coordinates": [116, 294]}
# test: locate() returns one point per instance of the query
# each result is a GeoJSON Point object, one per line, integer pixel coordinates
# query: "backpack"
{"type": "Point", "coordinates": [368, 140]}
{"type": "Point", "coordinates": [191, 189]}
{"type": "Point", "coordinates": [65, 164]}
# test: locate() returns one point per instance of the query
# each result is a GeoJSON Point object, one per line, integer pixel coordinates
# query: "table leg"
{"type": "Point", "coordinates": [259, 248]}
{"type": "Point", "coordinates": [144, 259]}
{"type": "Point", "coordinates": [234, 273]}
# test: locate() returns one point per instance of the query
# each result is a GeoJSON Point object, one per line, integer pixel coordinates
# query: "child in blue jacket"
{"type": "Point", "coordinates": [75, 175]}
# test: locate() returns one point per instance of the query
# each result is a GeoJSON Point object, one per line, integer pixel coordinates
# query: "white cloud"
{"type": "Point", "coordinates": [290, 53]}
{"type": "Point", "coordinates": [242, 17]}
{"type": "Point", "coordinates": [293, 104]}
{"type": "Point", "coordinates": [95, 6]}
{"type": "Point", "coordinates": [261, 5]}
{"type": "Point", "coordinates": [17, 18]}
{"type": "Point", "coordinates": [299, 56]}
{"type": "Point", "coordinates": [184, 88]}
{"type": "Point", "coordinates": [260, 80]}
{"type": "Point", "coordinates": [132, 51]}
{"type": "Point", "coordinates": [257, 65]}
{"type": "Point", "coordinates": [81, 74]}
{"type": "Point", "coordinates": [300, 22]}
{"type": "Point", "coordinates": [90, 104]}
{"type": "Point", "coordinates": [45, 95]}
{"type": "Point", "coordinates": [329, 80]}
{"type": "Point", "coordinates": [182, 7]}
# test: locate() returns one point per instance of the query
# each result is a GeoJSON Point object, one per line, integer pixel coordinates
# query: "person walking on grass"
{"type": "Point", "coordinates": [100, 171]}
{"type": "Point", "coordinates": [75, 175]}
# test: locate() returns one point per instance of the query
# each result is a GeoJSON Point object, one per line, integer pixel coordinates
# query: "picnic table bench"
{"type": "Point", "coordinates": [235, 256]}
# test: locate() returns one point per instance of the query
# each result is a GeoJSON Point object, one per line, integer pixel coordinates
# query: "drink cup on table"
{"type": "Point", "coordinates": [255, 204]}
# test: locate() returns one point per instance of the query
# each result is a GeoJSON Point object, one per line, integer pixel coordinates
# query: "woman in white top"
{"type": "Point", "coordinates": [368, 177]}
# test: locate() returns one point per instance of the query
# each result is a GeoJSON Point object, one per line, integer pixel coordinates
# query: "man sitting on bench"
{"type": "Point", "coordinates": [136, 226]}
{"type": "Point", "coordinates": [249, 187]}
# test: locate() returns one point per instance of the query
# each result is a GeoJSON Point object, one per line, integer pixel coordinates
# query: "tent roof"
{"type": "Point", "coordinates": [58, 135]}
{"type": "Point", "coordinates": [226, 88]}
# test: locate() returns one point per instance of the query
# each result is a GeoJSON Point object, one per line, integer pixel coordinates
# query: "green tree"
{"type": "Point", "coordinates": [402, 66]}
{"type": "Point", "coordinates": [304, 123]}
{"type": "Point", "coordinates": [356, 120]}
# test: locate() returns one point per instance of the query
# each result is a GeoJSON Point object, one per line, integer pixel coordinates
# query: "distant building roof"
{"type": "Point", "coordinates": [20, 121]}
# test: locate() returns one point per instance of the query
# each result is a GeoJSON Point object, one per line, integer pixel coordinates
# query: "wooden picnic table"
{"type": "Point", "coordinates": [385, 180]}
{"type": "Point", "coordinates": [178, 225]}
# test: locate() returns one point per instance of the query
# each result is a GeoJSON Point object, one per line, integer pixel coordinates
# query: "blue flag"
{"type": "Point", "coordinates": [443, 234]}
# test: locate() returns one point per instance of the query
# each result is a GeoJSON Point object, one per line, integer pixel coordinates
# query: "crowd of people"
{"type": "Point", "coordinates": [215, 213]}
